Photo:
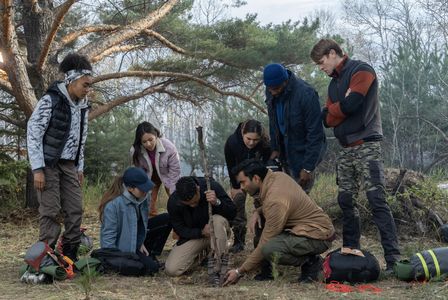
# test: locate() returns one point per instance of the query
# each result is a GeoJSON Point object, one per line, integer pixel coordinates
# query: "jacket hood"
{"type": "Point", "coordinates": [130, 199]}
{"type": "Point", "coordinates": [237, 141]}
{"type": "Point", "coordinates": [59, 88]}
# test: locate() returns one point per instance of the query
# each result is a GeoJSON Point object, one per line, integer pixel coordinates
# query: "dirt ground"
{"type": "Point", "coordinates": [19, 231]}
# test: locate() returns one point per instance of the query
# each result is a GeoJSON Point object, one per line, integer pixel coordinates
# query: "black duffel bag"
{"type": "Point", "coordinates": [350, 268]}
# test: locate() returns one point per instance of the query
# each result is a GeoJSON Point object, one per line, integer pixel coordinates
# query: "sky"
{"type": "Point", "coordinates": [277, 11]}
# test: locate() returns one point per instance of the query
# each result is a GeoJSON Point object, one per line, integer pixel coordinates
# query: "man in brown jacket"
{"type": "Point", "coordinates": [296, 229]}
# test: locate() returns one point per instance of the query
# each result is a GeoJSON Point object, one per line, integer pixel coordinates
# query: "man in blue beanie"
{"type": "Point", "coordinates": [296, 131]}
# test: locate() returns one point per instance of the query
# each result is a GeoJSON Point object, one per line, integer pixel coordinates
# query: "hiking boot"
{"type": "Point", "coordinates": [311, 269]}
{"type": "Point", "coordinates": [389, 271]}
{"type": "Point", "coordinates": [239, 234]}
{"type": "Point", "coordinates": [236, 248]}
{"type": "Point", "coordinates": [266, 272]}
{"type": "Point", "coordinates": [160, 264]}
{"type": "Point", "coordinates": [264, 276]}
{"type": "Point", "coordinates": [71, 251]}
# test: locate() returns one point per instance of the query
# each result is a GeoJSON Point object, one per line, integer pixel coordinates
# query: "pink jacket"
{"type": "Point", "coordinates": [167, 163]}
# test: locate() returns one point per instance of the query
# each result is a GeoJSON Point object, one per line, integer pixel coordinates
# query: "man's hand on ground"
{"type": "Point", "coordinates": [232, 277]}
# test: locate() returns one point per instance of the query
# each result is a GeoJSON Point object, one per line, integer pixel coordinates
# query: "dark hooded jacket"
{"type": "Point", "coordinates": [303, 144]}
{"type": "Point", "coordinates": [187, 221]}
{"type": "Point", "coordinates": [236, 152]}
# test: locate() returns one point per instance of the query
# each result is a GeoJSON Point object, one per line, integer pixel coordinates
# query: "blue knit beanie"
{"type": "Point", "coordinates": [274, 75]}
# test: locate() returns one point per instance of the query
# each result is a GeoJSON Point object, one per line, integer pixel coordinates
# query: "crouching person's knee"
{"type": "Point", "coordinates": [176, 264]}
{"type": "Point", "coordinates": [172, 269]}
{"type": "Point", "coordinates": [267, 252]}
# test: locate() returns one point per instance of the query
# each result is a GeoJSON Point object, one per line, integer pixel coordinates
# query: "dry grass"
{"type": "Point", "coordinates": [19, 231]}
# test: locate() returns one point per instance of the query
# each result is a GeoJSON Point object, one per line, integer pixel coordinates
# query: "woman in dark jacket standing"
{"type": "Point", "coordinates": [248, 141]}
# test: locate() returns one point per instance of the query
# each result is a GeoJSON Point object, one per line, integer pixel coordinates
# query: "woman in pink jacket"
{"type": "Point", "coordinates": [158, 157]}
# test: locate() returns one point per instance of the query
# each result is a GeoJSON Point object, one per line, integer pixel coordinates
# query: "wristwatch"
{"type": "Point", "coordinates": [218, 202]}
{"type": "Point", "coordinates": [238, 273]}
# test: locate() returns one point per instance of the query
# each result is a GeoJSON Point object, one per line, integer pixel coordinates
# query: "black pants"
{"type": "Point", "coordinates": [159, 228]}
{"type": "Point", "coordinates": [150, 265]}
{"type": "Point", "coordinates": [126, 263]}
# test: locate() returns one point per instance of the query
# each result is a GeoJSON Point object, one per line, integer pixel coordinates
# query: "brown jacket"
{"type": "Point", "coordinates": [287, 207]}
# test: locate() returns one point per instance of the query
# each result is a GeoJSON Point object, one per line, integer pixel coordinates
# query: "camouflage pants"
{"type": "Point", "coordinates": [357, 165]}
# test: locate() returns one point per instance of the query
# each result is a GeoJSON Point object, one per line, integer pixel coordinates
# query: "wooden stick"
{"type": "Point", "coordinates": [210, 213]}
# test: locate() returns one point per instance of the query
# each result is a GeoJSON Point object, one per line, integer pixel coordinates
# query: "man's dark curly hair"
{"type": "Point", "coordinates": [186, 187]}
{"type": "Point", "coordinates": [74, 61]}
{"type": "Point", "coordinates": [251, 167]}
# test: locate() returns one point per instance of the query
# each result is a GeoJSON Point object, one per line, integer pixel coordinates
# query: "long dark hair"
{"type": "Point", "coordinates": [115, 190]}
{"type": "Point", "coordinates": [142, 128]}
{"type": "Point", "coordinates": [254, 126]}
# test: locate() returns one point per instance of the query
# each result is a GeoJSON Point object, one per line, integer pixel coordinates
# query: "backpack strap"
{"type": "Point", "coordinates": [425, 266]}
{"type": "Point", "coordinates": [436, 262]}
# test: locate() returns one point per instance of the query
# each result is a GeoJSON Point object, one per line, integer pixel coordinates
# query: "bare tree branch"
{"type": "Point", "coordinates": [165, 41]}
{"type": "Point", "coordinates": [18, 123]}
{"type": "Point", "coordinates": [121, 100]}
{"type": "Point", "coordinates": [149, 74]}
{"type": "Point", "coordinates": [61, 12]}
{"type": "Point", "coordinates": [94, 49]}
{"type": "Point", "coordinates": [115, 49]}
{"type": "Point", "coordinates": [437, 128]}
{"type": "Point", "coordinates": [86, 30]}
{"type": "Point", "coordinates": [436, 162]}
{"type": "Point", "coordinates": [260, 84]}
{"type": "Point", "coordinates": [180, 50]}
{"type": "Point", "coordinates": [180, 97]}
{"type": "Point", "coordinates": [6, 9]}
{"type": "Point", "coordinates": [6, 86]}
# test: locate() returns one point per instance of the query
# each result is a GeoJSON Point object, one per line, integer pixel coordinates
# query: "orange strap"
{"type": "Point", "coordinates": [369, 288]}
{"type": "Point", "coordinates": [335, 286]}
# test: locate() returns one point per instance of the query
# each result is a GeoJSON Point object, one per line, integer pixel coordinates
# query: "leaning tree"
{"type": "Point", "coordinates": [155, 47]}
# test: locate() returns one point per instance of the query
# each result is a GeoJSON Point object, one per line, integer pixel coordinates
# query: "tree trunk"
{"type": "Point", "coordinates": [37, 25]}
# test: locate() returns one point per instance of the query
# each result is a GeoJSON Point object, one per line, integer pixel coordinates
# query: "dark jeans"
{"type": "Point", "coordinates": [159, 228]}
{"type": "Point", "coordinates": [151, 266]}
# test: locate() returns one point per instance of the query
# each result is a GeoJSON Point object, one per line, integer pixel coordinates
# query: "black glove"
{"type": "Point", "coordinates": [274, 165]}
